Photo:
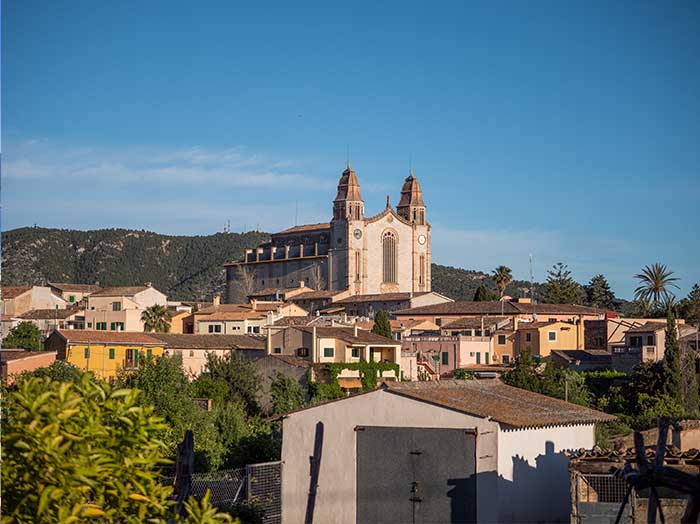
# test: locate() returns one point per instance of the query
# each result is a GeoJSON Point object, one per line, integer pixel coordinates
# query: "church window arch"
{"type": "Point", "coordinates": [389, 257]}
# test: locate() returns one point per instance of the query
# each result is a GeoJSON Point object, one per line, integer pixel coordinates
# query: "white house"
{"type": "Point", "coordinates": [440, 451]}
{"type": "Point", "coordinates": [120, 308]}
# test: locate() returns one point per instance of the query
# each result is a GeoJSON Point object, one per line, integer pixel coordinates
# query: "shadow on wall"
{"type": "Point", "coordinates": [539, 493]}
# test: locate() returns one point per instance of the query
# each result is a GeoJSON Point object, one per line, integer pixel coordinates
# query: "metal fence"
{"type": "Point", "coordinates": [264, 486]}
{"type": "Point", "coordinates": [601, 488]}
{"type": "Point", "coordinates": [256, 483]}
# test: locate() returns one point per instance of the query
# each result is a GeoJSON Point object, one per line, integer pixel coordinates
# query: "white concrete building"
{"type": "Point", "coordinates": [447, 451]}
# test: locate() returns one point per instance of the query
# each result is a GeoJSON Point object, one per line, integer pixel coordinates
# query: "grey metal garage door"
{"type": "Point", "coordinates": [415, 475]}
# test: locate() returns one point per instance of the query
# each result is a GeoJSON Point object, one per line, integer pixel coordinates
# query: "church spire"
{"type": "Point", "coordinates": [348, 203]}
{"type": "Point", "coordinates": [411, 206]}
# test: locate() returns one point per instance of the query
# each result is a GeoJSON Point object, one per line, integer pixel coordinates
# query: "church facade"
{"type": "Point", "coordinates": [385, 253]}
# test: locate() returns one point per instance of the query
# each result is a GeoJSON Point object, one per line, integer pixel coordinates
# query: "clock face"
{"type": "Point", "coordinates": [357, 234]}
{"type": "Point", "coordinates": [421, 239]}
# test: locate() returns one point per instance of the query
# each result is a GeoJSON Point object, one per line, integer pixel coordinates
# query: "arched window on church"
{"type": "Point", "coordinates": [389, 256]}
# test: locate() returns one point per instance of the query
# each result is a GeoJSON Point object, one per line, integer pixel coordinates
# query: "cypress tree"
{"type": "Point", "coordinates": [672, 359]}
{"type": "Point", "coordinates": [381, 324]}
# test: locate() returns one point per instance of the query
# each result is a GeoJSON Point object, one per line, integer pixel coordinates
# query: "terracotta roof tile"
{"type": "Point", "coordinates": [14, 291]}
{"type": "Point", "coordinates": [213, 341]}
{"type": "Point", "coordinates": [119, 291]}
{"type": "Point", "coordinates": [304, 228]}
{"type": "Point", "coordinates": [50, 314]}
{"type": "Point", "coordinates": [85, 336]}
{"type": "Point", "coordinates": [505, 404]}
{"type": "Point", "coordinates": [495, 307]}
{"type": "Point", "coordinates": [347, 334]}
{"type": "Point", "coordinates": [78, 288]}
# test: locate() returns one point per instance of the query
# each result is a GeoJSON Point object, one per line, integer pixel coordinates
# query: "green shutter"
{"type": "Point", "coordinates": [478, 358]}
{"type": "Point", "coordinates": [136, 357]}
{"type": "Point", "coordinates": [445, 358]}
{"type": "Point", "coordinates": [149, 352]}
{"type": "Point", "coordinates": [487, 358]}
{"type": "Point", "coordinates": [111, 353]}
{"type": "Point", "coordinates": [71, 298]}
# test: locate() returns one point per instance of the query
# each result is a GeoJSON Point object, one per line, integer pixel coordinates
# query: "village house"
{"type": "Point", "coordinates": [49, 319]}
{"type": "Point", "coordinates": [177, 318]}
{"type": "Point", "coordinates": [333, 345]}
{"type": "Point", "coordinates": [14, 362]}
{"type": "Point", "coordinates": [72, 293]}
{"type": "Point", "coordinates": [193, 349]}
{"type": "Point", "coordinates": [269, 366]}
{"type": "Point", "coordinates": [103, 353]}
{"type": "Point", "coordinates": [239, 319]}
{"type": "Point", "coordinates": [540, 338]}
{"type": "Point", "coordinates": [441, 451]}
{"type": "Point", "coordinates": [120, 308]}
{"type": "Point", "coordinates": [517, 310]}
{"type": "Point", "coordinates": [369, 305]}
{"type": "Point", "coordinates": [644, 343]}
{"type": "Point", "coordinates": [609, 332]}
{"type": "Point", "coordinates": [17, 300]}
{"type": "Point", "coordinates": [315, 301]}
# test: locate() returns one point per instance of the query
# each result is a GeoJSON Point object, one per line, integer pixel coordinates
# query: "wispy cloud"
{"type": "Point", "coordinates": [225, 167]}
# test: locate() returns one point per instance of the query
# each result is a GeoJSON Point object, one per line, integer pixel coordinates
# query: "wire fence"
{"type": "Point", "coordinates": [601, 488]}
{"type": "Point", "coordinates": [260, 484]}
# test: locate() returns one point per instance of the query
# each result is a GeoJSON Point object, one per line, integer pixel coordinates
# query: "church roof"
{"type": "Point", "coordinates": [305, 228]}
{"type": "Point", "coordinates": [348, 186]}
{"type": "Point", "coordinates": [411, 193]}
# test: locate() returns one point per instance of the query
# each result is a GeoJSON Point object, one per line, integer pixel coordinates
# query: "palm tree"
{"type": "Point", "coordinates": [156, 318]}
{"type": "Point", "coordinates": [503, 276]}
{"type": "Point", "coordinates": [654, 283]}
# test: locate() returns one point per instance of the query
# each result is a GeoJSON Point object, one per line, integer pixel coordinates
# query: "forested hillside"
{"type": "Point", "coordinates": [184, 267]}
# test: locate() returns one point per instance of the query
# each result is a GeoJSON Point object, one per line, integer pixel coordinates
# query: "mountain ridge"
{"type": "Point", "coordinates": [185, 267]}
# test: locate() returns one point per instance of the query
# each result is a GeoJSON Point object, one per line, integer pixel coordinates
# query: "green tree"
{"type": "Point", "coordinates": [241, 376]}
{"type": "Point", "coordinates": [599, 294]}
{"type": "Point", "coordinates": [503, 276]}
{"type": "Point", "coordinates": [672, 360]}
{"type": "Point", "coordinates": [560, 288]}
{"type": "Point", "coordinates": [691, 396]}
{"type": "Point", "coordinates": [655, 282]}
{"type": "Point", "coordinates": [287, 394]}
{"type": "Point", "coordinates": [482, 294]}
{"type": "Point", "coordinates": [165, 386]}
{"type": "Point", "coordinates": [24, 335]}
{"type": "Point", "coordinates": [690, 306]}
{"type": "Point", "coordinates": [382, 326]}
{"type": "Point", "coordinates": [156, 318]}
{"type": "Point", "coordinates": [85, 452]}
{"type": "Point", "coordinates": [59, 371]}
{"type": "Point", "coordinates": [523, 374]}
{"type": "Point", "coordinates": [642, 308]}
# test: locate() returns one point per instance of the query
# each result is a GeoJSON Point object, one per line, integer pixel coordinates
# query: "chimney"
{"type": "Point", "coordinates": [302, 283]}
{"type": "Point", "coordinates": [148, 284]}
{"type": "Point", "coordinates": [217, 300]}
{"type": "Point", "coordinates": [314, 357]}
{"type": "Point", "coordinates": [268, 345]}
{"type": "Point", "coordinates": [355, 328]}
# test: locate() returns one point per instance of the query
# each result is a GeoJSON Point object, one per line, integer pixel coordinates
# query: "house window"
{"type": "Point", "coordinates": [487, 333]}
{"type": "Point", "coordinates": [552, 336]}
{"type": "Point", "coordinates": [302, 352]}
{"type": "Point", "coordinates": [191, 352]}
{"type": "Point", "coordinates": [468, 332]}
{"type": "Point", "coordinates": [651, 350]}
{"type": "Point", "coordinates": [130, 358]}
{"type": "Point", "coordinates": [278, 350]}
{"type": "Point", "coordinates": [635, 342]}
{"type": "Point", "coordinates": [501, 339]}
{"type": "Point", "coordinates": [116, 306]}
{"type": "Point", "coordinates": [599, 342]}
{"type": "Point", "coordinates": [389, 257]}
{"type": "Point", "coordinates": [71, 298]}
{"type": "Point", "coordinates": [477, 333]}
{"type": "Point", "coordinates": [112, 326]}
{"type": "Point", "coordinates": [505, 359]}
{"type": "Point", "coordinates": [149, 353]}
{"type": "Point", "coordinates": [86, 353]}
{"type": "Point", "coordinates": [214, 328]}
{"type": "Point", "coordinates": [89, 324]}
{"type": "Point", "coordinates": [357, 266]}
{"type": "Point", "coordinates": [486, 359]}
{"type": "Point", "coordinates": [528, 337]}
{"type": "Point", "coordinates": [445, 358]}
{"type": "Point", "coordinates": [111, 353]}
{"type": "Point", "coordinates": [328, 352]}
{"type": "Point", "coordinates": [650, 340]}
{"type": "Point", "coordinates": [355, 352]}
{"type": "Point", "coordinates": [471, 353]}
{"type": "Point", "coordinates": [421, 270]}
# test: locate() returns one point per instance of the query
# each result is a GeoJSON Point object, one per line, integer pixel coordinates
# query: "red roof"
{"type": "Point", "coordinates": [86, 336]}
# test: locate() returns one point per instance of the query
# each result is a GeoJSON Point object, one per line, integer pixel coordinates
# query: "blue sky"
{"type": "Point", "coordinates": [569, 130]}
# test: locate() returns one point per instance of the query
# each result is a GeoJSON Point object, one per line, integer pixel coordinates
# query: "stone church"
{"type": "Point", "coordinates": [385, 253]}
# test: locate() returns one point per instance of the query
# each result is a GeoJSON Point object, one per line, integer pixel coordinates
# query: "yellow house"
{"type": "Point", "coordinates": [103, 353]}
{"type": "Point", "coordinates": [543, 337]}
